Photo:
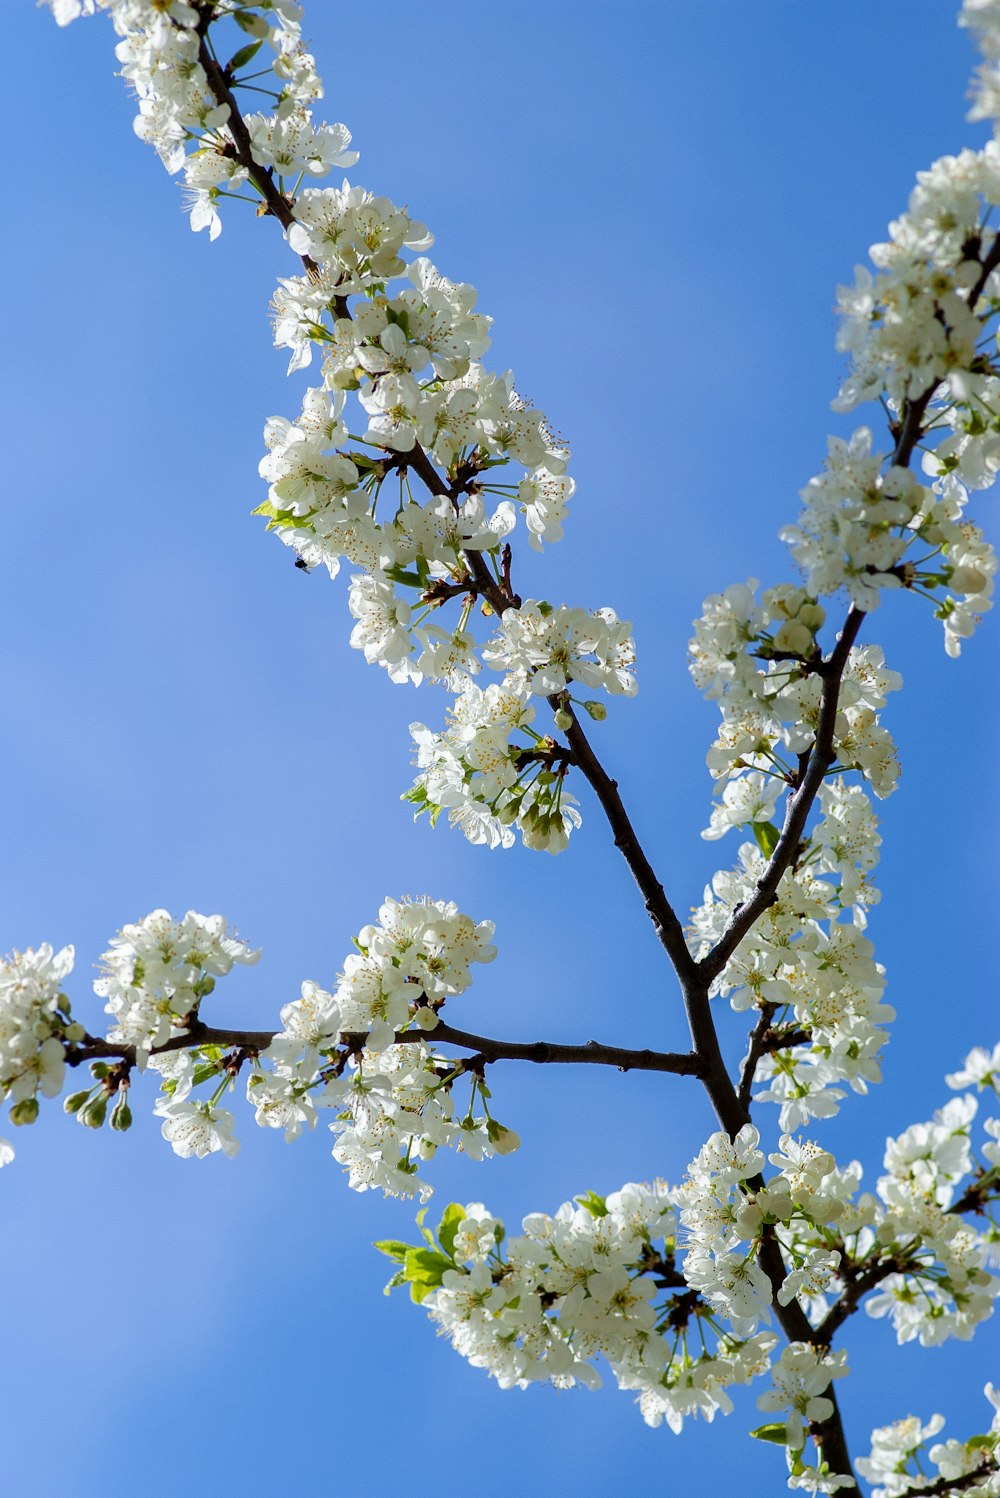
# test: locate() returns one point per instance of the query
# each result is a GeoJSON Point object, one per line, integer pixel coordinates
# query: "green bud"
{"type": "Point", "coordinates": [93, 1114]}
{"type": "Point", "coordinates": [812, 615]}
{"type": "Point", "coordinates": [121, 1117]}
{"type": "Point", "coordinates": [597, 711]}
{"type": "Point", "coordinates": [24, 1112]}
{"type": "Point", "coordinates": [503, 1140]}
{"type": "Point", "coordinates": [75, 1033]}
{"type": "Point", "coordinates": [76, 1100]}
{"type": "Point", "coordinates": [251, 24]}
{"type": "Point", "coordinates": [563, 720]}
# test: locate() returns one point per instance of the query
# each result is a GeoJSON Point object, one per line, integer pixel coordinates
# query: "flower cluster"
{"type": "Point", "coordinates": [800, 1378]}
{"type": "Point", "coordinates": [393, 332]}
{"type": "Point", "coordinates": [807, 965]}
{"type": "Point", "coordinates": [597, 1279]}
{"type": "Point", "coordinates": [760, 662]}
{"type": "Point", "coordinates": [394, 1099]}
{"type": "Point", "coordinates": [942, 1288]}
{"type": "Point", "coordinates": [869, 525]}
{"type": "Point", "coordinates": [177, 80]}
{"type": "Point", "coordinates": [35, 1026]}
{"type": "Point", "coordinates": [157, 971]}
{"type": "Point", "coordinates": [488, 780]}
{"type": "Point", "coordinates": [543, 650]}
{"type": "Point", "coordinates": [895, 1464]}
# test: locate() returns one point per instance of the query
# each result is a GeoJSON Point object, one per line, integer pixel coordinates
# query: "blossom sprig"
{"type": "Point", "coordinates": [363, 1050]}
{"type": "Point", "coordinates": [35, 1029]}
{"type": "Point", "coordinates": [810, 974]}
{"type": "Point", "coordinates": [491, 771]}
{"type": "Point", "coordinates": [157, 971]}
{"type": "Point", "coordinates": [895, 1463]}
{"type": "Point", "coordinates": [596, 1279]}
{"type": "Point", "coordinates": [801, 1378]}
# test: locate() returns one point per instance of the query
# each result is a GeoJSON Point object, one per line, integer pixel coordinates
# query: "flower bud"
{"type": "Point", "coordinates": [24, 1112]}
{"type": "Point", "coordinates": [92, 1115]}
{"type": "Point", "coordinates": [503, 1140]}
{"type": "Point", "coordinates": [597, 711]}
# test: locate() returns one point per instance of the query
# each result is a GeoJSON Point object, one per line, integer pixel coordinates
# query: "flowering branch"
{"type": "Point", "coordinates": [254, 1042]}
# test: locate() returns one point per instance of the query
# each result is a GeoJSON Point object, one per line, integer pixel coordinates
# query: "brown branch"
{"type": "Point", "coordinates": [261, 177]}
{"type": "Point", "coordinates": [799, 805]}
{"type": "Point", "coordinates": [253, 1042]}
{"type": "Point", "coordinates": [758, 1045]}
{"type": "Point", "coordinates": [797, 1328]}
{"type": "Point", "coordinates": [942, 1485]}
{"type": "Point", "coordinates": [668, 928]}
{"type": "Point", "coordinates": [858, 1284]}
{"type": "Point", "coordinates": [499, 596]}
{"type": "Point", "coordinates": [593, 1052]}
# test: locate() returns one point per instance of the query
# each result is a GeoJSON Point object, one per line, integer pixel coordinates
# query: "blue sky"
{"type": "Point", "coordinates": [656, 203]}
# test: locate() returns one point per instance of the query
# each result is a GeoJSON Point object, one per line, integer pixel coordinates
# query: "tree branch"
{"type": "Point", "coordinates": [859, 1282]}
{"type": "Point", "coordinates": [943, 1485]}
{"type": "Point", "coordinates": [592, 1052]}
{"type": "Point", "coordinates": [758, 1045]}
{"type": "Point", "coordinates": [797, 810]}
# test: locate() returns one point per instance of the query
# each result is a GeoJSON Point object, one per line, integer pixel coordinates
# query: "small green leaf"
{"type": "Point", "coordinates": [405, 578]}
{"type": "Point", "coordinates": [423, 1271]}
{"type": "Point", "coordinates": [592, 1203]}
{"type": "Point", "coordinates": [767, 836]}
{"type": "Point", "coordinates": [454, 1216]}
{"type": "Point", "coordinates": [393, 1248]}
{"type": "Point", "coordinates": [425, 1232]}
{"type": "Point", "coordinates": [978, 1443]}
{"type": "Point", "coordinates": [243, 56]}
{"type": "Point", "coordinates": [249, 22]}
{"type": "Point", "coordinates": [775, 1432]}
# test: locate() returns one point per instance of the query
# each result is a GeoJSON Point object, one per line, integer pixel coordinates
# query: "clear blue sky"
{"type": "Point", "coordinates": [656, 201]}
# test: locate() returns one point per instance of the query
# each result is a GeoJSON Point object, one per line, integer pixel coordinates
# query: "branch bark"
{"type": "Point", "coordinates": [591, 1052]}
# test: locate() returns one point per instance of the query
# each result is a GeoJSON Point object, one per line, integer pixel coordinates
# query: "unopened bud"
{"type": "Point", "coordinates": [503, 1140]}
{"type": "Point", "coordinates": [92, 1115]}
{"type": "Point", "coordinates": [597, 711]}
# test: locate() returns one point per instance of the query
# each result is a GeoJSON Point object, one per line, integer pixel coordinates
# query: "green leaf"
{"type": "Point", "coordinates": [425, 1232]}
{"type": "Point", "coordinates": [403, 577]}
{"type": "Point", "coordinates": [248, 21]}
{"type": "Point", "coordinates": [393, 1248]}
{"type": "Point", "coordinates": [423, 1271]}
{"type": "Point", "coordinates": [454, 1216]}
{"type": "Point", "coordinates": [775, 1432]}
{"type": "Point", "coordinates": [767, 836]}
{"type": "Point", "coordinates": [243, 56]}
{"type": "Point", "coordinates": [276, 518]}
{"type": "Point", "coordinates": [592, 1203]}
